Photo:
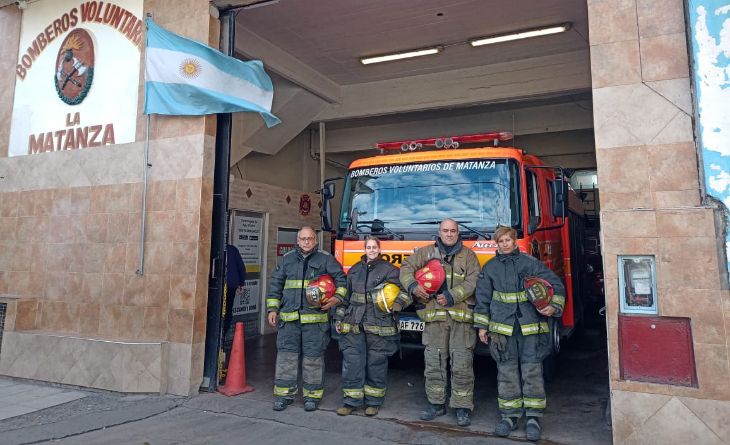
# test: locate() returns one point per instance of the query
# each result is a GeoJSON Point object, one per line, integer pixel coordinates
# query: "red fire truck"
{"type": "Point", "coordinates": [402, 195]}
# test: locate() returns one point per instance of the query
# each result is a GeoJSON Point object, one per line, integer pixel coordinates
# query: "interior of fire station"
{"type": "Point", "coordinates": [334, 108]}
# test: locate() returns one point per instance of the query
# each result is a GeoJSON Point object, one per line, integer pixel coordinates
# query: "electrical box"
{"type": "Point", "coordinates": [637, 284]}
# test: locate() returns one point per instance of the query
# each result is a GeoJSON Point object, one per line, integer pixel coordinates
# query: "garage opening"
{"type": "Point", "coordinates": [334, 109]}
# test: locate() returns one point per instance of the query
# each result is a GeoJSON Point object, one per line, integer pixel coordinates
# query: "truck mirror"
{"type": "Point", "coordinates": [560, 199]}
{"type": "Point", "coordinates": [326, 215]}
{"type": "Point", "coordinates": [328, 191]}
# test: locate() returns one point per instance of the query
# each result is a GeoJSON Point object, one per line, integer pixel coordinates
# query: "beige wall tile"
{"type": "Point", "coordinates": [180, 325]}
{"type": "Point", "coordinates": [685, 223]}
{"type": "Point", "coordinates": [92, 288]}
{"type": "Point", "coordinates": [682, 198]}
{"type": "Point", "coordinates": [713, 371]}
{"type": "Point", "coordinates": [110, 318]}
{"type": "Point", "coordinates": [95, 257]}
{"type": "Point", "coordinates": [155, 323]}
{"type": "Point", "coordinates": [44, 203]}
{"type": "Point", "coordinates": [614, 64]}
{"type": "Point", "coordinates": [612, 21]}
{"type": "Point", "coordinates": [187, 194]}
{"type": "Point", "coordinates": [99, 199]}
{"type": "Point", "coordinates": [89, 322]}
{"type": "Point", "coordinates": [185, 256]}
{"type": "Point", "coordinates": [182, 291]}
{"type": "Point", "coordinates": [134, 289]}
{"type": "Point", "coordinates": [114, 287]}
{"type": "Point", "coordinates": [80, 200]}
{"type": "Point", "coordinates": [120, 198]}
{"type": "Point", "coordinates": [632, 410]}
{"type": "Point", "coordinates": [160, 226]}
{"type": "Point", "coordinates": [61, 202]}
{"type": "Point", "coordinates": [157, 291]}
{"type": "Point", "coordinates": [11, 227]}
{"type": "Point", "coordinates": [72, 287]}
{"type": "Point", "coordinates": [97, 226]}
{"type": "Point", "coordinates": [118, 228]}
{"type": "Point", "coordinates": [132, 322]}
{"type": "Point", "coordinates": [115, 260]}
{"type": "Point", "coordinates": [26, 203]}
{"type": "Point", "coordinates": [713, 413]}
{"type": "Point", "coordinates": [659, 17]}
{"type": "Point", "coordinates": [674, 423]}
{"type": "Point", "coordinates": [158, 257]}
{"type": "Point", "coordinates": [77, 229]}
{"type": "Point", "coordinates": [704, 307]}
{"type": "Point", "coordinates": [664, 57]}
{"type": "Point", "coordinates": [629, 224]}
{"type": "Point", "coordinates": [187, 223]}
{"type": "Point", "coordinates": [9, 206]}
{"type": "Point", "coordinates": [625, 246]}
{"type": "Point", "coordinates": [25, 317]}
{"type": "Point", "coordinates": [674, 271]}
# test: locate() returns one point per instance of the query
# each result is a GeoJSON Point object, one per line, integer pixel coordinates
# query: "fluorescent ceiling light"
{"type": "Point", "coordinates": [521, 35]}
{"type": "Point", "coordinates": [404, 55]}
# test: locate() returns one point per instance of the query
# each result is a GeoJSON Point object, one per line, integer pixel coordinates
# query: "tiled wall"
{"type": "Point", "coordinates": [650, 205]}
{"type": "Point", "coordinates": [272, 200]}
{"type": "Point", "coordinates": [70, 231]}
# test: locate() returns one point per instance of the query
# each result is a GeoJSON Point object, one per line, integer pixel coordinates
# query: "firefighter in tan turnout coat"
{"type": "Point", "coordinates": [448, 319]}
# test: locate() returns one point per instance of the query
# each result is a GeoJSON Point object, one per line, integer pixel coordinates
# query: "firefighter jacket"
{"type": "Point", "coordinates": [462, 272]}
{"type": "Point", "coordinates": [360, 304]}
{"type": "Point", "coordinates": [501, 295]}
{"type": "Point", "coordinates": [290, 279]}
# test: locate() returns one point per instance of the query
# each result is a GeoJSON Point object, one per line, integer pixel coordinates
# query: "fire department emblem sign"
{"type": "Point", "coordinates": [75, 67]}
{"type": "Point", "coordinates": [305, 205]}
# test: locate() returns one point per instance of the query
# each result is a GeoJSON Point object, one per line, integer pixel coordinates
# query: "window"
{"type": "Point", "coordinates": [549, 184]}
{"type": "Point", "coordinates": [533, 200]}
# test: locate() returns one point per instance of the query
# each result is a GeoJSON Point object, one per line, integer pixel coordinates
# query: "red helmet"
{"type": "Point", "coordinates": [538, 291]}
{"type": "Point", "coordinates": [431, 276]}
{"type": "Point", "coordinates": [319, 291]}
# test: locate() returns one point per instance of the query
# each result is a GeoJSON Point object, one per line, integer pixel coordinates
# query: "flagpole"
{"type": "Point", "coordinates": [140, 271]}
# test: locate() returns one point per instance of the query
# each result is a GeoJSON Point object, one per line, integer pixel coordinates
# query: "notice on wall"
{"type": "Point", "coordinates": [247, 301]}
{"type": "Point", "coordinates": [246, 236]}
{"type": "Point", "coordinates": [76, 75]}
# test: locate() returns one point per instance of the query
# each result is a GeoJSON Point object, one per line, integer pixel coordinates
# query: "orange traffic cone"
{"type": "Point", "coordinates": [236, 379]}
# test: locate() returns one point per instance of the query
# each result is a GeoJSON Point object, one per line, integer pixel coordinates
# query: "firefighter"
{"type": "Point", "coordinates": [368, 324]}
{"type": "Point", "coordinates": [516, 331]}
{"type": "Point", "coordinates": [303, 328]}
{"type": "Point", "coordinates": [448, 319]}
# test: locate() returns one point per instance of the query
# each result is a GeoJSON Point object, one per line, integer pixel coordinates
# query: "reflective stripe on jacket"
{"type": "Point", "coordinates": [461, 280]}
{"type": "Point", "coordinates": [289, 281]}
{"type": "Point", "coordinates": [501, 299]}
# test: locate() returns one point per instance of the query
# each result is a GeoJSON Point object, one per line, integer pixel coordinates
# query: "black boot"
{"type": "Point", "coordinates": [462, 417]}
{"type": "Point", "coordinates": [433, 411]}
{"type": "Point", "coordinates": [532, 429]}
{"type": "Point", "coordinates": [506, 426]}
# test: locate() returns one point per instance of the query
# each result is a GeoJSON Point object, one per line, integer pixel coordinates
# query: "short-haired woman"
{"type": "Point", "coordinates": [516, 331]}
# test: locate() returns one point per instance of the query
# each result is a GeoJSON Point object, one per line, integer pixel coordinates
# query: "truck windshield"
{"type": "Point", "coordinates": [404, 198]}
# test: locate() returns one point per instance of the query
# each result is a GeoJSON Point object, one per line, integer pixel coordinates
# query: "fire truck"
{"type": "Point", "coordinates": [402, 195]}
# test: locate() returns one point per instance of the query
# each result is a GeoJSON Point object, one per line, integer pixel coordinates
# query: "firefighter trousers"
{"type": "Point", "coordinates": [444, 341]}
{"type": "Point", "coordinates": [520, 385]}
{"type": "Point", "coordinates": [365, 367]}
{"type": "Point", "coordinates": [307, 343]}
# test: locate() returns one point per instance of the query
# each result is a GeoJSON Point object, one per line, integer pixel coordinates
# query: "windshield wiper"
{"type": "Point", "coordinates": [380, 225]}
{"type": "Point", "coordinates": [460, 223]}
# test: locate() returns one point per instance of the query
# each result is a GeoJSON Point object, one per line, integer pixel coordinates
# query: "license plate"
{"type": "Point", "coordinates": [411, 324]}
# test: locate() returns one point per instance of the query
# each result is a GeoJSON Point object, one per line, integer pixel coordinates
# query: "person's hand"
{"type": "Point", "coordinates": [272, 318]}
{"type": "Point", "coordinates": [484, 336]}
{"type": "Point", "coordinates": [441, 299]}
{"type": "Point", "coordinates": [547, 311]}
{"type": "Point", "coordinates": [396, 307]}
{"type": "Point", "coordinates": [332, 302]}
{"type": "Point", "coordinates": [420, 292]}
{"type": "Point", "coordinates": [240, 289]}
{"type": "Point", "coordinates": [338, 327]}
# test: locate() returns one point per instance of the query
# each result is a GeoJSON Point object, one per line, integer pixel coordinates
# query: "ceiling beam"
{"type": "Point", "coordinates": [253, 46]}
{"type": "Point", "coordinates": [491, 83]}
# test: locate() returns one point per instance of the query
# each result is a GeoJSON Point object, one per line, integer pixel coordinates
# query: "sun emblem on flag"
{"type": "Point", "coordinates": [190, 68]}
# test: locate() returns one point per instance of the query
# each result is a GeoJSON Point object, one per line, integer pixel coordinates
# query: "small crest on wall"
{"type": "Point", "coordinates": [305, 205]}
{"type": "Point", "coordinates": [75, 67]}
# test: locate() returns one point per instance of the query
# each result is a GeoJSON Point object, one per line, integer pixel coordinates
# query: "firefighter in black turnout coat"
{"type": "Point", "coordinates": [516, 331]}
{"type": "Point", "coordinates": [367, 323]}
{"type": "Point", "coordinates": [303, 329]}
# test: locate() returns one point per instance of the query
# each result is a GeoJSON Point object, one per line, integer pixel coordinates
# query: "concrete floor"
{"type": "Point", "coordinates": [577, 397]}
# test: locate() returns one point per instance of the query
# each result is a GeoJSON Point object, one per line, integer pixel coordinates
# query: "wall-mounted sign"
{"type": "Point", "coordinates": [305, 205]}
{"type": "Point", "coordinates": [93, 50]}
{"type": "Point", "coordinates": [247, 301]}
{"type": "Point", "coordinates": [246, 235]}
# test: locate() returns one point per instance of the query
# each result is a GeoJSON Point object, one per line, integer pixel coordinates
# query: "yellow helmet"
{"type": "Point", "coordinates": [387, 295]}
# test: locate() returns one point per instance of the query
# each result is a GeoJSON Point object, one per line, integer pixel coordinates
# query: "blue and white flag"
{"type": "Point", "coordinates": [185, 77]}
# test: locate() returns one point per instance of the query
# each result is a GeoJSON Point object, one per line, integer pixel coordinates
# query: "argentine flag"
{"type": "Point", "coordinates": [185, 77]}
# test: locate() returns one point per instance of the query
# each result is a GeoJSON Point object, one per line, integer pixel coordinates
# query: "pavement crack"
{"type": "Point", "coordinates": [91, 430]}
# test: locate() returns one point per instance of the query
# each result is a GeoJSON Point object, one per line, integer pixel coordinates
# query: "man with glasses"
{"type": "Point", "coordinates": [303, 329]}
